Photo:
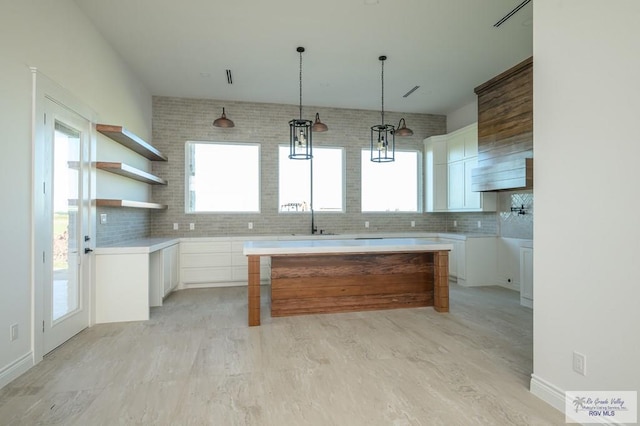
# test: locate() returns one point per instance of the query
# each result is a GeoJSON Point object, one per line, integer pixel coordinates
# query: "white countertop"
{"type": "Point", "coordinates": [320, 246]}
{"type": "Point", "coordinates": [150, 245]}
{"type": "Point", "coordinates": [143, 245]}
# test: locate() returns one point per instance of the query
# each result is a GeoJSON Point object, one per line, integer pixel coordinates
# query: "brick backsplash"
{"type": "Point", "coordinates": [467, 223]}
{"type": "Point", "coordinates": [177, 120]}
{"type": "Point", "coordinates": [123, 224]}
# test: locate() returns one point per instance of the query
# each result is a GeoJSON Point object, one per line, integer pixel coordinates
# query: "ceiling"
{"type": "Point", "coordinates": [447, 47]}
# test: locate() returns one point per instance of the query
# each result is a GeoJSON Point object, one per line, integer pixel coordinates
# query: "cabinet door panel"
{"type": "Point", "coordinates": [526, 273]}
{"type": "Point", "coordinates": [456, 185]}
{"type": "Point", "coordinates": [440, 195]}
{"type": "Point", "coordinates": [471, 198]}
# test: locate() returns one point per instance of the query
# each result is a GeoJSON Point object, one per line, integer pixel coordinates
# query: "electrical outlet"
{"type": "Point", "coordinates": [176, 226]}
{"type": "Point", "coordinates": [250, 225]}
{"type": "Point", "coordinates": [479, 224]}
{"type": "Point", "coordinates": [192, 226]}
{"type": "Point", "coordinates": [103, 218]}
{"type": "Point", "coordinates": [366, 224]}
{"type": "Point", "coordinates": [455, 223]}
{"type": "Point", "coordinates": [13, 332]}
{"type": "Point", "coordinates": [580, 363]}
{"type": "Point", "coordinates": [413, 223]}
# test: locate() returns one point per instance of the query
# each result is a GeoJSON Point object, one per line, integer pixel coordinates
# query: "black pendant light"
{"type": "Point", "coordinates": [402, 129]}
{"type": "Point", "coordinates": [300, 139]}
{"type": "Point", "coordinates": [383, 140]}
{"type": "Point", "coordinates": [319, 126]}
{"type": "Point", "coordinates": [223, 121]}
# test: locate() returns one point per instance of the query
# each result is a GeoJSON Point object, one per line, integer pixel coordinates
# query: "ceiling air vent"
{"type": "Point", "coordinates": [410, 91]}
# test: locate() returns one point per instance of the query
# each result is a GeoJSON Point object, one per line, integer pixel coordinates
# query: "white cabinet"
{"type": "Point", "coordinates": [205, 262]}
{"type": "Point", "coordinates": [217, 262]}
{"type": "Point", "coordinates": [131, 278]}
{"type": "Point", "coordinates": [449, 160]}
{"type": "Point", "coordinates": [526, 276]}
{"type": "Point", "coordinates": [473, 260]}
{"type": "Point", "coordinates": [462, 158]}
{"type": "Point", "coordinates": [163, 278]}
{"type": "Point", "coordinates": [170, 270]}
{"type": "Point", "coordinates": [435, 182]}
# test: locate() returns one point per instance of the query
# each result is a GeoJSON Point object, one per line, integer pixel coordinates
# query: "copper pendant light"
{"type": "Point", "coordinates": [403, 130]}
{"type": "Point", "coordinates": [223, 121]}
{"type": "Point", "coordinates": [319, 126]}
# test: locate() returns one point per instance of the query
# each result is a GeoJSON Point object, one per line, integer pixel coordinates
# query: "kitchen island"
{"type": "Point", "coordinates": [323, 276]}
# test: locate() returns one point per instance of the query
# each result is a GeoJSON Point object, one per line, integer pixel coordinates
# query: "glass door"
{"type": "Point", "coordinates": [66, 310]}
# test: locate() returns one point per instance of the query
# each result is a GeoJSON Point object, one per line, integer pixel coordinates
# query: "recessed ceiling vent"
{"type": "Point", "coordinates": [229, 79]}
{"type": "Point", "coordinates": [510, 14]}
{"type": "Point", "coordinates": [410, 91]}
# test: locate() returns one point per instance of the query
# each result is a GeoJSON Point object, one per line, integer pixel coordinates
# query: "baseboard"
{"type": "Point", "coordinates": [16, 369]}
{"type": "Point", "coordinates": [547, 392]}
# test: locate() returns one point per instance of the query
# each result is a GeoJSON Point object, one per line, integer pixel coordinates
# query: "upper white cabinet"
{"type": "Point", "coordinates": [435, 182]}
{"type": "Point", "coordinates": [449, 160]}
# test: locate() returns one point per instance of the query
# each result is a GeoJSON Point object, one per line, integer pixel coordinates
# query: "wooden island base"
{"type": "Point", "coordinates": [348, 282]}
{"type": "Point", "coordinates": [344, 283]}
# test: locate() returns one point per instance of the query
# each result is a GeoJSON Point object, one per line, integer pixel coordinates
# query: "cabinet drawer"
{"type": "Point", "coordinates": [206, 247]}
{"type": "Point", "coordinates": [201, 260]}
{"type": "Point", "coordinates": [206, 275]}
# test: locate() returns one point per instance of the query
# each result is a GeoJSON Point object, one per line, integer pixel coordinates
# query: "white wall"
{"type": "Point", "coordinates": [56, 38]}
{"type": "Point", "coordinates": [463, 116]}
{"type": "Point", "coordinates": [587, 148]}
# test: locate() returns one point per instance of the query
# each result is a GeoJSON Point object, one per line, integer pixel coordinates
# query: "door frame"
{"type": "Point", "coordinates": [44, 90]}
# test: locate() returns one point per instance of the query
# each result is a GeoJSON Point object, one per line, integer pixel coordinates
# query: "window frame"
{"type": "Point", "coordinates": [343, 169]}
{"type": "Point", "coordinates": [366, 154]}
{"type": "Point", "coordinates": [189, 157]}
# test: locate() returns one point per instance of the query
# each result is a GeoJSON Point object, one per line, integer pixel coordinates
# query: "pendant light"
{"type": "Point", "coordinates": [383, 140]}
{"type": "Point", "coordinates": [223, 121]}
{"type": "Point", "coordinates": [319, 126]}
{"type": "Point", "coordinates": [300, 140]}
{"type": "Point", "coordinates": [403, 130]}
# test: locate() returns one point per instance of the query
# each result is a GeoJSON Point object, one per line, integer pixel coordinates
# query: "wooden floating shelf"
{"type": "Point", "coordinates": [131, 141]}
{"type": "Point", "coordinates": [131, 172]}
{"type": "Point", "coordinates": [101, 202]}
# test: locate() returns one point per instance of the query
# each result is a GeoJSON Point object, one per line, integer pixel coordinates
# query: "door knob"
{"type": "Point", "coordinates": [87, 250]}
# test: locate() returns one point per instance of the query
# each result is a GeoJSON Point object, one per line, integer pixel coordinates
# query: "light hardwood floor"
{"type": "Point", "coordinates": [195, 362]}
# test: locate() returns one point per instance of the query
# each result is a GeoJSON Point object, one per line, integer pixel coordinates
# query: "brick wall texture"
{"type": "Point", "coordinates": [178, 120]}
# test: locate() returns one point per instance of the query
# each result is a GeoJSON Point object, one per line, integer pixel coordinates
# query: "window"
{"type": "Point", "coordinates": [294, 185]}
{"type": "Point", "coordinates": [222, 177]}
{"type": "Point", "coordinates": [393, 186]}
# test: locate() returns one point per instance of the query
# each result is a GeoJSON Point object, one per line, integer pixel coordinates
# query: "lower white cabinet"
{"type": "Point", "coordinates": [164, 271]}
{"type": "Point", "coordinates": [217, 262]}
{"type": "Point", "coordinates": [132, 278]}
{"type": "Point", "coordinates": [526, 276]}
{"type": "Point", "coordinates": [473, 261]}
{"type": "Point", "coordinates": [170, 269]}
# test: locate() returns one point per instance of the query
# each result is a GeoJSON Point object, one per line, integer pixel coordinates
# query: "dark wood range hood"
{"type": "Point", "coordinates": [505, 131]}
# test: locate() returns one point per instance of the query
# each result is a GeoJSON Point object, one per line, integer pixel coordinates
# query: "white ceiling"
{"type": "Point", "coordinates": [447, 47]}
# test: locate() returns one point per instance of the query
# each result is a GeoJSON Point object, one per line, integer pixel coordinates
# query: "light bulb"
{"type": "Point", "coordinates": [302, 140]}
